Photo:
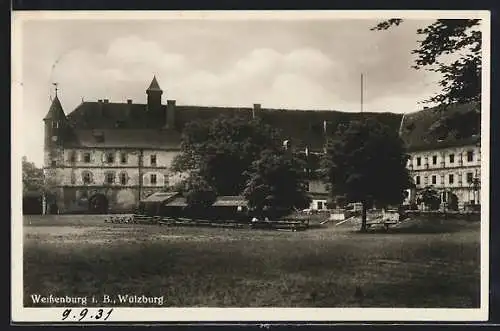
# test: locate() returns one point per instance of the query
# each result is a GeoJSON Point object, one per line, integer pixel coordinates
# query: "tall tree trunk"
{"type": "Point", "coordinates": [363, 217]}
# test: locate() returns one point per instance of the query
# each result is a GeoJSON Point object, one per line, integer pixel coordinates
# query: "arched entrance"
{"type": "Point", "coordinates": [98, 204]}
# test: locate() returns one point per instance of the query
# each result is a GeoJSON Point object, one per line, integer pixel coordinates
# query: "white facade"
{"type": "Point", "coordinates": [454, 169]}
{"type": "Point", "coordinates": [124, 176]}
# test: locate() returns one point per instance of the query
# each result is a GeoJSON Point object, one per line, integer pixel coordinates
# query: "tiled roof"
{"type": "Point", "coordinates": [230, 201]}
{"type": "Point", "coordinates": [222, 201]}
{"type": "Point", "coordinates": [126, 138]}
{"type": "Point", "coordinates": [177, 202]}
{"type": "Point", "coordinates": [128, 123]}
{"type": "Point", "coordinates": [439, 127]}
{"type": "Point", "coordinates": [160, 197]}
{"type": "Point", "coordinates": [301, 127]}
{"type": "Point", "coordinates": [101, 115]}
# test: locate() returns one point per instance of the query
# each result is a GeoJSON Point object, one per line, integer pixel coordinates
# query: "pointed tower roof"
{"type": "Point", "coordinates": [55, 112]}
{"type": "Point", "coordinates": [154, 86]}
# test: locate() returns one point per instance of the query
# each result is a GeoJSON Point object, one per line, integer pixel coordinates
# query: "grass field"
{"type": "Point", "coordinates": [425, 264]}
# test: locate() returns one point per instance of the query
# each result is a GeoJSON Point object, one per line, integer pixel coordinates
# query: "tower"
{"type": "Point", "coordinates": [56, 127]}
{"type": "Point", "coordinates": [154, 93]}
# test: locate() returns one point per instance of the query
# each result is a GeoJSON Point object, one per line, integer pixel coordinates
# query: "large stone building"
{"type": "Point", "coordinates": [448, 161]}
{"type": "Point", "coordinates": [106, 156]}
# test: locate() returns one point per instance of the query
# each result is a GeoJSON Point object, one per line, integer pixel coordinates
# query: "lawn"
{"type": "Point", "coordinates": [426, 264]}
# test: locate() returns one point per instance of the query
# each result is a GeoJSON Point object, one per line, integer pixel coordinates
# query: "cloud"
{"type": "Point", "coordinates": [309, 65]}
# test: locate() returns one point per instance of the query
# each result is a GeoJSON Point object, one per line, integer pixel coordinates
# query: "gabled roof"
{"type": "Point", "coordinates": [230, 201]}
{"type": "Point", "coordinates": [177, 202]}
{"type": "Point", "coordinates": [221, 201]}
{"type": "Point", "coordinates": [159, 197]}
{"type": "Point", "coordinates": [442, 127]}
{"type": "Point", "coordinates": [56, 111]}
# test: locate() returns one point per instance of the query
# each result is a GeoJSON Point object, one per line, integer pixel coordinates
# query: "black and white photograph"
{"type": "Point", "coordinates": [250, 166]}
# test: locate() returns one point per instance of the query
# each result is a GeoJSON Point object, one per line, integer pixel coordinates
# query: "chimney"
{"type": "Point", "coordinates": [129, 101]}
{"type": "Point", "coordinates": [256, 109]}
{"type": "Point", "coordinates": [170, 116]}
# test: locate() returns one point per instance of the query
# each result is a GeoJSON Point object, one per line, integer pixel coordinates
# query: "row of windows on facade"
{"type": "Point", "coordinates": [451, 158]}
{"type": "Point", "coordinates": [451, 179]}
{"type": "Point", "coordinates": [110, 178]}
{"type": "Point", "coordinates": [109, 158]}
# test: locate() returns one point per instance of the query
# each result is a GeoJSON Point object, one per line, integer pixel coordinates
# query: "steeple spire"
{"type": "Point", "coordinates": [154, 86]}
{"type": "Point", "coordinates": [56, 111]}
{"type": "Point", "coordinates": [56, 89]}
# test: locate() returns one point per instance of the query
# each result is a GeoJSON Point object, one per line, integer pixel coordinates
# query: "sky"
{"type": "Point", "coordinates": [299, 64]}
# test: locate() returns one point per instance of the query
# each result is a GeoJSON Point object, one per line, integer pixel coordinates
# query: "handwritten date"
{"type": "Point", "coordinates": [86, 314]}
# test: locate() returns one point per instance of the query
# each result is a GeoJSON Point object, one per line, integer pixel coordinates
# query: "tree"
{"type": "Point", "coordinates": [445, 38]}
{"type": "Point", "coordinates": [33, 179]}
{"type": "Point", "coordinates": [198, 192]}
{"type": "Point", "coordinates": [366, 164]}
{"type": "Point", "coordinates": [222, 150]}
{"type": "Point", "coordinates": [276, 184]}
{"type": "Point", "coordinates": [429, 197]}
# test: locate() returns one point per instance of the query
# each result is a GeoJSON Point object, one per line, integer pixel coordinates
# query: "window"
{"type": "Point", "coordinates": [55, 125]}
{"type": "Point", "coordinates": [123, 157]}
{"type": "Point", "coordinates": [452, 158]}
{"type": "Point", "coordinates": [73, 178]}
{"type": "Point", "coordinates": [469, 177]}
{"type": "Point", "coordinates": [417, 180]}
{"type": "Point", "coordinates": [153, 160]}
{"type": "Point", "coordinates": [53, 163]}
{"type": "Point", "coordinates": [434, 159]}
{"type": "Point", "coordinates": [419, 161]}
{"type": "Point", "coordinates": [123, 178]}
{"type": "Point", "coordinates": [110, 178]}
{"type": "Point", "coordinates": [470, 156]}
{"type": "Point", "coordinates": [87, 177]}
{"type": "Point", "coordinates": [451, 179]}
{"type": "Point", "coordinates": [110, 158]}
{"type": "Point", "coordinates": [72, 157]}
{"type": "Point", "coordinates": [433, 179]}
{"type": "Point", "coordinates": [86, 157]}
{"type": "Point", "coordinates": [320, 204]}
{"type": "Point", "coordinates": [153, 179]}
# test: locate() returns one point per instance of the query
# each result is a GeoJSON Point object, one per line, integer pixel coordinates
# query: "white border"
{"type": "Point", "coordinates": [21, 314]}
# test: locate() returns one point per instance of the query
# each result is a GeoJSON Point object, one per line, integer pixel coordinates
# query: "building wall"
{"type": "Point", "coordinates": [452, 169]}
{"type": "Point", "coordinates": [141, 179]}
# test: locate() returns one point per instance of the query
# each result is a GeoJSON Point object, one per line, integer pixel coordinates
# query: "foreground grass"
{"type": "Point", "coordinates": [251, 268]}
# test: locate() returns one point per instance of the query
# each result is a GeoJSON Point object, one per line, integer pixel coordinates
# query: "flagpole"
{"type": "Point", "coordinates": [361, 92]}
